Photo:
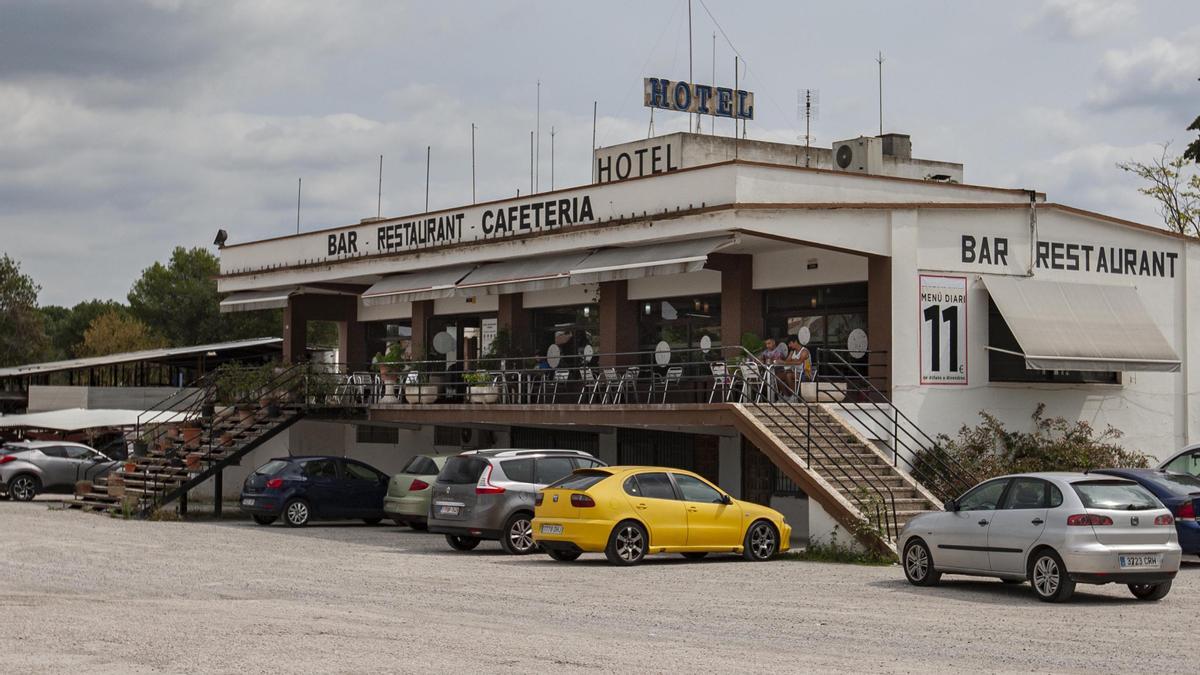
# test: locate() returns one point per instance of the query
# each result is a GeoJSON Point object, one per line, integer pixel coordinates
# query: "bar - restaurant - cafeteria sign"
{"type": "Point", "coordinates": [698, 98]}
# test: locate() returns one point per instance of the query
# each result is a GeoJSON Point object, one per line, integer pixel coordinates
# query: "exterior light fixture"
{"type": "Point", "coordinates": [222, 237]}
{"type": "Point", "coordinates": [587, 311]}
{"type": "Point", "coordinates": [646, 308]}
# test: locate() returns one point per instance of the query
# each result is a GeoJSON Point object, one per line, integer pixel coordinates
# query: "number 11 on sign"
{"type": "Point", "coordinates": [943, 330]}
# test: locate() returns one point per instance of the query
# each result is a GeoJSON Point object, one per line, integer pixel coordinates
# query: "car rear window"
{"type": "Point", "coordinates": [519, 470]}
{"type": "Point", "coordinates": [550, 469]}
{"type": "Point", "coordinates": [461, 470]}
{"type": "Point", "coordinates": [420, 466]}
{"type": "Point", "coordinates": [271, 468]}
{"type": "Point", "coordinates": [1115, 495]}
{"type": "Point", "coordinates": [581, 480]}
{"type": "Point", "coordinates": [1179, 483]}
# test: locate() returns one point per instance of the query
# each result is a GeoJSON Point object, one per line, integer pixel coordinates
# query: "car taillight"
{"type": "Point", "coordinates": [417, 484]}
{"type": "Point", "coordinates": [274, 483]}
{"type": "Point", "coordinates": [1164, 520]}
{"type": "Point", "coordinates": [5, 459]}
{"type": "Point", "coordinates": [1186, 512]}
{"type": "Point", "coordinates": [537, 501]}
{"type": "Point", "coordinates": [484, 486]}
{"type": "Point", "coordinates": [582, 501]}
{"type": "Point", "coordinates": [1088, 519]}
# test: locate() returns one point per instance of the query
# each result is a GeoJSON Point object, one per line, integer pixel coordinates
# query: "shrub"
{"type": "Point", "coordinates": [990, 449]}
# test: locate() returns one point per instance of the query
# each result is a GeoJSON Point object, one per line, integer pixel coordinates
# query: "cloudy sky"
{"type": "Point", "coordinates": [130, 126]}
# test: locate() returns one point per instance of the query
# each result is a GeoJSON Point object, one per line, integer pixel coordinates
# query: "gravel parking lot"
{"type": "Point", "coordinates": [84, 592]}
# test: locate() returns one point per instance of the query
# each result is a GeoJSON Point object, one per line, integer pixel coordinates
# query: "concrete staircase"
{"type": "Point", "coordinates": [837, 467]}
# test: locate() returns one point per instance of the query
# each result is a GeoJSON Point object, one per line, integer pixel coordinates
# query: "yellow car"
{"type": "Point", "coordinates": [629, 512]}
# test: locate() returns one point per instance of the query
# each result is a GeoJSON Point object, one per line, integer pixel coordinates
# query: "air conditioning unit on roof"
{"type": "Point", "coordinates": [859, 155]}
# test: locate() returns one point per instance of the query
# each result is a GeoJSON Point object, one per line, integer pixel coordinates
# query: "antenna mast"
{"type": "Point", "coordinates": [551, 157]}
{"type": "Point", "coordinates": [379, 195]}
{"type": "Point", "coordinates": [808, 105]}
{"type": "Point", "coordinates": [427, 148]}
{"type": "Point", "coordinates": [472, 162]}
{"type": "Point", "coordinates": [299, 184]}
{"type": "Point", "coordinates": [879, 60]}
{"type": "Point", "coordinates": [537, 167]}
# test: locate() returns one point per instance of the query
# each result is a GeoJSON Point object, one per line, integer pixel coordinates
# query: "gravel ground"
{"type": "Point", "coordinates": [80, 591]}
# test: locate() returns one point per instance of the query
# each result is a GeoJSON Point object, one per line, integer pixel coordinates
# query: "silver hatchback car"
{"type": "Point", "coordinates": [29, 468]}
{"type": "Point", "coordinates": [490, 494]}
{"type": "Point", "coordinates": [1054, 529]}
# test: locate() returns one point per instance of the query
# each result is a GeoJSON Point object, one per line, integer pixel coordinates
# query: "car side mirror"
{"type": "Point", "coordinates": [950, 505]}
{"type": "Point", "coordinates": [726, 499]}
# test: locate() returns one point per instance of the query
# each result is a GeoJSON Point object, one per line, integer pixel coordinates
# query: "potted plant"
{"type": "Point", "coordinates": [191, 434]}
{"type": "Point", "coordinates": [481, 387]}
{"type": "Point", "coordinates": [130, 467]}
{"type": "Point", "coordinates": [417, 388]}
{"type": "Point", "coordinates": [390, 364]}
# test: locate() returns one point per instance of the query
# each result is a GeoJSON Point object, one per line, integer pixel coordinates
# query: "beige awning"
{"type": "Point", "coordinates": [1091, 327]}
{"type": "Point", "coordinates": [635, 262]}
{"type": "Point", "coordinates": [424, 285]}
{"type": "Point", "coordinates": [248, 301]}
{"type": "Point", "coordinates": [521, 275]}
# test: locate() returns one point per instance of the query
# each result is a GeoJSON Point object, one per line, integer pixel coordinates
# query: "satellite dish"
{"type": "Point", "coordinates": [443, 343]}
{"type": "Point", "coordinates": [705, 344]}
{"type": "Point", "coordinates": [553, 355]}
{"type": "Point", "coordinates": [662, 353]}
{"type": "Point", "coordinates": [856, 343]}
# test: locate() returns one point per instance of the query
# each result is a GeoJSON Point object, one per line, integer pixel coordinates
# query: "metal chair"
{"type": "Point", "coordinates": [561, 375]}
{"type": "Point", "coordinates": [722, 381]}
{"type": "Point", "coordinates": [591, 384]}
{"type": "Point", "coordinates": [752, 382]}
{"type": "Point", "coordinates": [664, 383]}
{"type": "Point", "coordinates": [611, 383]}
{"type": "Point", "coordinates": [627, 385]}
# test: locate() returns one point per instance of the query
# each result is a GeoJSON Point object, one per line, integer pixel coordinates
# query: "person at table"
{"type": "Point", "coordinates": [799, 363]}
{"type": "Point", "coordinates": [542, 363]}
{"type": "Point", "coordinates": [775, 351]}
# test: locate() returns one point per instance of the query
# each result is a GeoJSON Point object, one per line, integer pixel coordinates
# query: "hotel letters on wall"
{"type": "Point", "coordinates": [943, 317]}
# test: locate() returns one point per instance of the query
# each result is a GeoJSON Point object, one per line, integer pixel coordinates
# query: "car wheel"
{"type": "Point", "coordinates": [563, 556]}
{"type": "Point", "coordinates": [264, 520]}
{"type": "Point", "coordinates": [627, 544]}
{"type": "Point", "coordinates": [372, 521]}
{"type": "Point", "coordinates": [518, 535]}
{"type": "Point", "coordinates": [761, 543]}
{"type": "Point", "coordinates": [296, 513]}
{"type": "Point", "coordinates": [918, 564]}
{"type": "Point", "coordinates": [461, 543]}
{"type": "Point", "coordinates": [695, 555]}
{"type": "Point", "coordinates": [24, 487]}
{"type": "Point", "coordinates": [1150, 592]}
{"type": "Point", "coordinates": [1048, 576]}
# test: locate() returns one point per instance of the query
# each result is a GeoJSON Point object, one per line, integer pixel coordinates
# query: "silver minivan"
{"type": "Point", "coordinates": [489, 494]}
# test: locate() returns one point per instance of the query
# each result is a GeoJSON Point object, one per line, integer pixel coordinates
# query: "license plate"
{"type": "Point", "coordinates": [247, 502]}
{"type": "Point", "coordinates": [448, 510]}
{"type": "Point", "coordinates": [1141, 562]}
{"type": "Point", "coordinates": [551, 529]}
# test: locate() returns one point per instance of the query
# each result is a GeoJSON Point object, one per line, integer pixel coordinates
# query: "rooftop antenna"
{"type": "Point", "coordinates": [299, 184]}
{"type": "Point", "coordinates": [651, 130]}
{"type": "Point", "coordinates": [379, 195]}
{"type": "Point", "coordinates": [735, 118]}
{"type": "Point", "coordinates": [808, 105]}
{"type": "Point", "coordinates": [592, 158]}
{"type": "Point", "coordinates": [879, 60]}
{"type": "Point", "coordinates": [552, 157]}
{"type": "Point", "coordinates": [537, 170]}
{"type": "Point", "coordinates": [531, 144]}
{"type": "Point", "coordinates": [472, 162]}
{"type": "Point", "coordinates": [713, 126]}
{"type": "Point", "coordinates": [691, 79]}
{"type": "Point", "coordinates": [427, 148]}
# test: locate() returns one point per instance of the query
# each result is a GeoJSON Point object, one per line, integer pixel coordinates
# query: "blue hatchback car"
{"type": "Point", "coordinates": [1179, 492]}
{"type": "Point", "coordinates": [300, 489]}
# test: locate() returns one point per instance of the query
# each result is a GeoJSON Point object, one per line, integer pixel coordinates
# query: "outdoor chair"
{"type": "Point", "coordinates": [591, 384]}
{"type": "Point", "coordinates": [561, 375]}
{"type": "Point", "coordinates": [664, 383]}
{"type": "Point", "coordinates": [722, 381]}
{"type": "Point", "coordinates": [611, 384]}
{"type": "Point", "coordinates": [752, 384]}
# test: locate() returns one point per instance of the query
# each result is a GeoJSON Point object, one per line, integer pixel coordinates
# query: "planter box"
{"type": "Point", "coordinates": [191, 437]}
{"type": "Point", "coordinates": [420, 393]}
{"type": "Point", "coordinates": [483, 393]}
{"type": "Point", "coordinates": [193, 460]}
{"type": "Point", "coordinates": [83, 487]}
{"type": "Point", "coordinates": [116, 488]}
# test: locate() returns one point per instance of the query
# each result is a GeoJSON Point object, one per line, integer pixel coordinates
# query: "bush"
{"type": "Point", "coordinates": [990, 449]}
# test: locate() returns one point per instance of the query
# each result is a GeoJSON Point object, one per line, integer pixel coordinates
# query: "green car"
{"type": "Point", "coordinates": [407, 500]}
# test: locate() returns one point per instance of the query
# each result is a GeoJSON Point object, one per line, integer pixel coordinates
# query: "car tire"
{"type": "Point", "coordinates": [296, 513]}
{"type": "Point", "coordinates": [563, 556]}
{"type": "Point", "coordinates": [372, 521]}
{"type": "Point", "coordinates": [695, 555]}
{"type": "Point", "coordinates": [24, 487]}
{"type": "Point", "coordinates": [628, 543]}
{"type": "Point", "coordinates": [1150, 592]}
{"type": "Point", "coordinates": [1048, 576]}
{"type": "Point", "coordinates": [517, 538]}
{"type": "Point", "coordinates": [461, 543]}
{"type": "Point", "coordinates": [761, 542]}
{"type": "Point", "coordinates": [264, 520]}
{"type": "Point", "coordinates": [918, 564]}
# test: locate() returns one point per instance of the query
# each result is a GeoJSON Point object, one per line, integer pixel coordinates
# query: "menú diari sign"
{"type": "Point", "coordinates": [698, 98]}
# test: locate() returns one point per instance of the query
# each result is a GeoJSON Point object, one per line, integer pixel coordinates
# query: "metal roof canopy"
{"type": "Point", "coordinates": [76, 419]}
{"type": "Point", "coordinates": [166, 356]}
{"type": "Point", "coordinates": [430, 284]}
{"type": "Point", "coordinates": [1088, 327]}
{"type": "Point", "coordinates": [635, 262]}
{"type": "Point", "coordinates": [523, 274]}
{"type": "Point", "coordinates": [246, 301]}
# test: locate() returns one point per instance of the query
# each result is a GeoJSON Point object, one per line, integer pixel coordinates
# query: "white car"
{"type": "Point", "coordinates": [29, 468]}
{"type": "Point", "coordinates": [1054, 529]}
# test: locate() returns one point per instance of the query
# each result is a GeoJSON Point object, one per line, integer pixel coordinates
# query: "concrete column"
{"type": "Point", "coordinates": [422, 312]}
{"type": "Point", "coordinates": [904, 338]}
{"type": "Point", "coordinates": [731, 465]}
{"type": "Point", "coordinates": [295, 331]}
{"type": "Point", "coordinates": [618, 323]}
{"type": "Point", "coordinates": [342, 309]}
{"type": "Point", "coordinates": [879, 321]}
{"type": "Point", "coordinates": [741, 305]}
{"type": "Point", "coordinates": [352, 343]}
{"type": "Point", "coordinates": [512, 316]}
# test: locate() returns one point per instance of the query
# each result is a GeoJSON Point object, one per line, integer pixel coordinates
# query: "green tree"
{"type": "Point", "coordinates": [1175, 187]}
{"type": "Point", "coordinates": [179, 301]}
{"type": "Point", "coordinates": [65, 327]}
{"type": "Point", "coordinates": [114, 332]}
{"type": "Point", "coordinates": [1192, 151]}
{"type": "Point", "coordinates": [22, 335]}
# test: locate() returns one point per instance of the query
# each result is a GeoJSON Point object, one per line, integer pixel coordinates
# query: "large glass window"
{"type": "Point", "coordinates": [1004, 367]}
{"type": "Point", "coordinates": [569, 328]}
{"type": "Point", "coordinates": [823, 317]}
{"type": "Point", "coordinates": [682, 323]}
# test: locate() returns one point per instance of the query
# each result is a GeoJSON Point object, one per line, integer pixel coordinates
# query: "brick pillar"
{"type": "Point", "coordinates": [352, 343]}
{"type": "Point", "coordinates": [422, 312]}
{"type": "Point", "coordinates": [741, 305]}
{"type": "Point", "coordinates": [295, 330]}
{"type": "Point", "coordinates": [618, 323]}
{"type": "Point", "coordinates": [512, 316]}
{"type": "Point", "coordinates": [879, 321]}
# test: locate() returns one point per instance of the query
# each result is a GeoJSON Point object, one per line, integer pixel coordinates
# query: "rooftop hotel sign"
{"type": "Point", "coordinates": [698, 98]}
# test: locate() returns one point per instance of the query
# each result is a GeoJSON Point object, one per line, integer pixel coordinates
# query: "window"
{"type": "Point", "coordinates": [631, 487]}
{"type": "Point", "coordinates": [320, 468]}
{"type": "Point", "coordinates": [549, 469]}
{"type": "Point", "coordinates": [420, 466]}
{"type": "Point", "coordinates": [581, 463]}
{"type": "Point", "coordinates": [462, 469]}
{"type": "Point", "coordinates": [1115, 495]}
{"type": "Point", "coordinates": [984, 497]}
{"type": "Point", "coordinates": [373, 433]}
{"type": "Point", "coordinates": [584, 480]}
{"type": "Point", "coordinates": [680, 322]}
{"type": "Point", "coordinates": [1004, 367]}
{"type": "Point", "coordinates": [519, 470]}
{"type": "Point", "coordinates": [1056, 498]}
{"type": "Point", "coordinates": [1181, 484]}
{"type": "Point", "coordinates": [696, 490]}
{"type": "Point", "coordinates": [77, 452]}
{"type": "Point", "coordinates": [271, 468]}
{"type": "Point", "coordinates": [655, 486]}
{"type": "Point", "coordinates": [1188, 463]}
{"type": "Point", "coordinates": [570, 328]}
{"type": "Point", "coordinates": [1026, 493]}
{"type": "Point", "coordinates": [53, 451]}
{"type": "Point", "coordinates": [356, 471]}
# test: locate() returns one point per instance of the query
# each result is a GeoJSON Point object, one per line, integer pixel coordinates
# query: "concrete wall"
{"type": "Point", "coordinates": [48, 397]}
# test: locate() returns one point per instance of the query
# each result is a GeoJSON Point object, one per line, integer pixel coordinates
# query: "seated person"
{"type": "Point", "coordinates": [775, 351]}
{"type": "Point", "coordinates": [800, 361]}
